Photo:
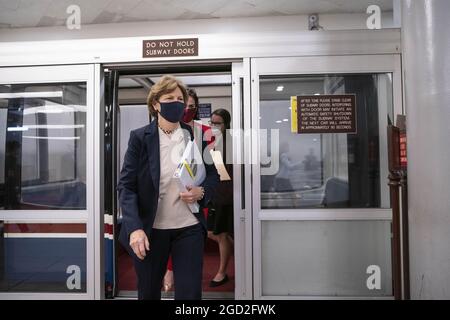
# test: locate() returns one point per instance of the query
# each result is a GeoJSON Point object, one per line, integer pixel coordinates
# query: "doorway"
{"type": "Point", "coordinates": [126, 90]}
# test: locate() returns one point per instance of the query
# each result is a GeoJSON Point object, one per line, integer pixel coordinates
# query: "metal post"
{"type": "Point", "coordinates": [405, 235]}
{"type": "Point", "coordinates": [394, 184]}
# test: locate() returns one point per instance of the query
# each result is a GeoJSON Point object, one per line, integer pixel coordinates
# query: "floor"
{"type": "Point", "coordinates": [127, 276]}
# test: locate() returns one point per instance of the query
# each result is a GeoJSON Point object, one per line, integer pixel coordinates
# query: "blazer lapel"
{"type": "Point", "coordinates": [152, 140]}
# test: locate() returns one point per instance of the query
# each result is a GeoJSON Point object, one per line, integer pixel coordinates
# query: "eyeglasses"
{"type": "Point", "coordinates": [215, 123]}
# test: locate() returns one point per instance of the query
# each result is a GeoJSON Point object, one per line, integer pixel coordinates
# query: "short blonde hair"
{"type": "Point", "coordinates": [166, 84]}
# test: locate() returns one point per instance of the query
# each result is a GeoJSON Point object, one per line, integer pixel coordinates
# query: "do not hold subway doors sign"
{"type": "Point", "coordinates": [170, 48]}
{"type": "Point", "coordinates": [326, 114]}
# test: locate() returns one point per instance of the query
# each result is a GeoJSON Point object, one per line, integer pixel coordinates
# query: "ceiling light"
{"type": "Point", "coordinates": [285, 120]}
{"type": "Point", "coordinates": [46, 126]}
{"type": "Point", "coordinates": [280, 88]}
{"type": "Point", "coordinates": [317, 94]}
{"type": "Point", "coordinates": [10, 129]}
{"type": "Point", "coordinates": [56, 126]}
{"type": "Point", "coordinates": [51, 138]}
{"type": "Point", "coordinates": [278, 121]}
{"type": "Point", "coordinates": [39, 94]}
{"type": "Point", "coordinates": [51, 107]}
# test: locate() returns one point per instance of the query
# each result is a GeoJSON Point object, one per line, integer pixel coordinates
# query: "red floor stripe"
{"type": "Point", "coordinates": [127, 276]}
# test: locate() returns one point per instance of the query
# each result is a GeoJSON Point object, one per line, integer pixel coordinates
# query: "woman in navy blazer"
{"type": "Point", "coordinates": [156, 220]}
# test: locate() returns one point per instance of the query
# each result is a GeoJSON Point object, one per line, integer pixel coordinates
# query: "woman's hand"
{"type": "Point", "coordinates": [139, 243]}
{"type": "Point", "coordinates": [193, 194]}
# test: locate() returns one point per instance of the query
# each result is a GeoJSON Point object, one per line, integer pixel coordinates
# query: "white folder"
{"type": "Point", "coordinates": [190, 171]}
{"type": "Point", "coordinates": [220, 166]}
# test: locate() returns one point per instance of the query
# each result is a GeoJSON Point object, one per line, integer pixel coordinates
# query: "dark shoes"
{"type": "Point", "coordinates": [214, 284]}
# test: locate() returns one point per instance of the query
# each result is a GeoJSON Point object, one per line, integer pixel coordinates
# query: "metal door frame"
{"type": "Point", "coordinates": [91, 75]}
{"type": "Point", "coordinates": [308, 65]}
{"type": "Point", "coordinates": [241, 119]}
{"type": "Point", "coordinates": [240, 78]}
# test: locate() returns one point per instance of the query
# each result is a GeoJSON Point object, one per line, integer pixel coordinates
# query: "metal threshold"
{"type": "Point", "coordinates": [131, 295]}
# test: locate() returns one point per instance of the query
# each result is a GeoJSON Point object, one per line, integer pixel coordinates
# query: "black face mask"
{"type": "Point", "coordinates": [172, 111]}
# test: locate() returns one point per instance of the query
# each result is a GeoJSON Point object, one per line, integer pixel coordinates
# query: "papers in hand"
{"type": "Point", "coordinates": [190, 171]}
{"type": "Point", "coordinates": [220, 166]}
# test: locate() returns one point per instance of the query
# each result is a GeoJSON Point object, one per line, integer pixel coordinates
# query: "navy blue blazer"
{"type": "Point", "coordinates": [138, 184]}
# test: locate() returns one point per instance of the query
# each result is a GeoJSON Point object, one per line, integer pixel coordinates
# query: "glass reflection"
{"type": "Point", "coordinates": [329, 169]}
{"type": "Point", "coordinates": [45, 146]}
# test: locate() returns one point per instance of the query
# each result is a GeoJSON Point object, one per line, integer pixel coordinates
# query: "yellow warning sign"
{"type": "Point", "coordinates": [294, 125]}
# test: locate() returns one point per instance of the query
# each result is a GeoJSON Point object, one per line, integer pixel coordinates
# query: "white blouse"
{"type": "Point", "coordinates": [172, 212]}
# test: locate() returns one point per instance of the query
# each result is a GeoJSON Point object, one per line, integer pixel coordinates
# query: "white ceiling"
{"type": "Point", "coordinates": [43, 13]}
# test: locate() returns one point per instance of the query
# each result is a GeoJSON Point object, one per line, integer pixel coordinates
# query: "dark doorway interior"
{"type": "Point", "coordinates": [126, 91]}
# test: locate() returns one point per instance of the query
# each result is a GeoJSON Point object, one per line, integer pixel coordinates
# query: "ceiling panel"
{"type": "Point", "coordinates": [361, 5]}
{"type": "Point", "coordinates": [32, 13]}
{"type": "Point", "coordinates": [89, 9]}
{"type": "Point", "coordinates": [23, 13]}
{"type": "Point", "coordinates": [306, 6]}
{"type": "Point", "coordinates": [8, 4]}
{"type": "Point", "coordinates": [201, 6]}
{"type": "Point", "coordinates": [154, 10]}
{"type": "Point", "coordinates": [122, 7]}
{"type": "Point", "coordinates": [238, 8]}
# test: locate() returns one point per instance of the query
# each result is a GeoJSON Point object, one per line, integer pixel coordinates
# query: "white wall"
{"type": "Point", "coordinates": [217, 103]}
{"type": "Point", "coordinates": [219, 97]}
{"type": "Point", "coordinates": [427, 68]}
{"type": "Point", "coordinates": [218, 39]}
{"type": "Point", "coordinates": [201, 26]}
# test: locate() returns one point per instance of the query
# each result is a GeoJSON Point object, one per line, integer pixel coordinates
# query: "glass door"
{"type": "Point", "coordinates": [321, 208]}
{"type": "Point", "coordinates": [47, 182]}
{"type": "Point", "coordinates": [242, 203]}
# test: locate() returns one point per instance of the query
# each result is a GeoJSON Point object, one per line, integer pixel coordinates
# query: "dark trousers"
{"type": "Point", "coordinates": [186, 247]}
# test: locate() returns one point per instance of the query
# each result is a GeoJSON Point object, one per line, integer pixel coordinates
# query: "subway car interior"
{"type": "Point", "coordinates": [325, 171]}
{"type": "Point", "coordinates": [43, 167]}
{"type": "Point", "coordinates": [126, 110]}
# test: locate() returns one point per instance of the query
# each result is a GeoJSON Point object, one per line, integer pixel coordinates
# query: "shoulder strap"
{"type": "Point", "coordinates": [187, 129]}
